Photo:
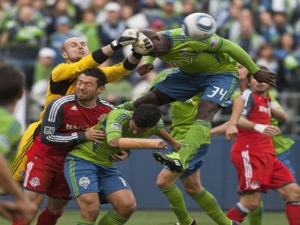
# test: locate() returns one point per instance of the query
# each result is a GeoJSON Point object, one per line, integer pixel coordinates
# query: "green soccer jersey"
{"type": "Point", "coordinates": [205, 56]}
{"type": "Point", "coordinates": [280, 142]}
{"type": "Point", "coordinates": [116, 125]}
{"type": "Point", "coordinates": [10, 134]}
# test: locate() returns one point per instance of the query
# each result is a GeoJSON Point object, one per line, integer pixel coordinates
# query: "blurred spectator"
{"type": "Point", "coordinates": [117, 92]}
{"type": "Point", "coordinates": [112, 28]}
{"type": "Point", "coordinates": [150, 8]}
{"type": "Point", "coordinates": [230, 27]}
{"type": "Point", "coordinates": [292, 70]}
{"type": "Point", "coordinates": [63, 7]}
{"type": "Point", "coordinates": [248, 39]}
{"type": "Point", "coordinates": [63, 32]}
{"type": "Point", "coordinates": [157, 25]}
{"type": "Point", "coordinates": [268, 29]}
{"type": "Point", "coordinates": [37, 95]}
{"type": "Point", "coordinates": [88, 27]}
{"type": "Point", "coordinates": [171, 18]}
{"type": "Point", "coordinates": [98, 6]}
{"type": "Point", "coordinates": [281, 23]}
{"type": "Point", "coordinates": [285, 48]}
{"type": "Point", "coordinates": [133, 20]}
{"type": "Point", "coordinates": [188, 7]}
{"type": "Point", "coordinates": [266, 58]}
{"type": "Point", "coordinates": [21, 39]}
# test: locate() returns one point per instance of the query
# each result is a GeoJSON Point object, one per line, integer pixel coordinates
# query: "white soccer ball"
{"type": "Point", "coordinates": [199, 26]}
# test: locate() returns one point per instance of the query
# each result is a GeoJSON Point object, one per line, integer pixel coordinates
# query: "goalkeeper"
{"type": "Point", "coordinates": [64, 77]}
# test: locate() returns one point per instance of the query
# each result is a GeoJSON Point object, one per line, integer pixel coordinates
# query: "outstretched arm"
{"type": "Point", "coordinates": [241, 56]}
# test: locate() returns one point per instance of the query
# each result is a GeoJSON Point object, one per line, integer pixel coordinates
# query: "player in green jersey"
{"type": "Point", "coordinates": [90, 172]}
{"type": "Point", "coordinates": [208, 66]}
{"type": "Point", "coordinates": [11, 90]}
{"type": "Point", "coordinates": [182, 117]}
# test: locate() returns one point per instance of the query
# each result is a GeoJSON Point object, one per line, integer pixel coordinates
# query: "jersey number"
{"type": "Point", "coordinates": [219, 91]}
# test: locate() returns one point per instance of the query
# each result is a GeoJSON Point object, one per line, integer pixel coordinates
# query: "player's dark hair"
{"type": "Point", "coordinates": [97, 73]}
{"type": "Point", "coordinates": [146, 115]}
{"type": "Point", "coordinates": [11, 83]}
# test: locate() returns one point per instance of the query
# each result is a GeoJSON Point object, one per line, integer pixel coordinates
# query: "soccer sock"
{"type": "Point", "coordinates": [47, 218]}
{"type": "Point", "coordinates": [255, 217]}
{"type": "Point", "coordinates": [84, 222]}
{"type": "Point", "coordinates": [238, 213]}
{"type": "Point", "coordinates": [177, 203]}
{"type": "Point", "coordinates": [112, 218]}
{"type": "Point", "coordinates": [198, 134]}
{"type": "Point", "coordinates": [292, 210]}
{"type": "Point", "coordinates": [209, 204]}
{"type": "Point", "coordinates": [127, 106]}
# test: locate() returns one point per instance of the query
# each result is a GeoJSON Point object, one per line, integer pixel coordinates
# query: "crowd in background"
{"type": "Point", "coordinates": [32, 31]}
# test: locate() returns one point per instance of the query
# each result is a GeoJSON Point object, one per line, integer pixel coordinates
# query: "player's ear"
{"type": "Point", "coordinates": [64, 55]}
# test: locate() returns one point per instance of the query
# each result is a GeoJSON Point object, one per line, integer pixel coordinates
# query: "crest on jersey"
{"type": "Point", "coordinates": [116, 126]}
{"type": "Point", "coordinates": [35, 182]}
{"type": "Point", "coordinates": [84, 182]}
{"type": "Point", "coordinates": [214, 42]}
{"type": "Point", "coordinates": [49, 130]}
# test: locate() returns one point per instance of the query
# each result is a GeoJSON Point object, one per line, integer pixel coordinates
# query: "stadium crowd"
{"type": "Point", "coordinates": [32, 31]}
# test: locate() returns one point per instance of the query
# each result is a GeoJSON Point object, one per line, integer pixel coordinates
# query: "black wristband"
{"type": "Point", "coordinates": [115, 45]}
{"type": "Point", "coordinates": [137, 55]}
{"type": "Point", "coordinates": [128, 65]}
{"type": "Point", "coordinates": [99, 57]}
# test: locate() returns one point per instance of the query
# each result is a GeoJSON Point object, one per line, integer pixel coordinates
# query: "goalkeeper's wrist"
{"type": "Point", "coordinates": [115, 45]}
{"type": "Point", "coordinates": [260, 128]}
{"type": "Point", "coordinates": [137, 55]}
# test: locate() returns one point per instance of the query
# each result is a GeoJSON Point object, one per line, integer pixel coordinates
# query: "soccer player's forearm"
{"type": "Point", "coordinates": [237, 109]}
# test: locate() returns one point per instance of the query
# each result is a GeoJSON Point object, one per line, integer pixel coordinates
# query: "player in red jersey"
{"type": "Point", "coordinates": [253, 156]}
{"type": "Point", "coordinates": [67, 122]}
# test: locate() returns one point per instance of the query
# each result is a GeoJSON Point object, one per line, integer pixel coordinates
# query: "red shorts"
{"type": "Point", "coordinates": [45, 174]}
{"type": "Point", "coordinates": [260, 171]}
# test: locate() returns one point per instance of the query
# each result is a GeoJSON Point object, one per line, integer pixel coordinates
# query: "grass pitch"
{"type": "Point", "coordinates": [164, 217]}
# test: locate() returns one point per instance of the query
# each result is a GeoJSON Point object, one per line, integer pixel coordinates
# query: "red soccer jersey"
{"type": "Point", "coordinates": [256, 109]}
{"type": "Point", "coordinates": [64, 124]}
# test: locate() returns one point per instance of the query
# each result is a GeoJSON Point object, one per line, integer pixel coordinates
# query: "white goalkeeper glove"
{"type": "Point", "coordinates": [143, 45]}
{"type": "Point", "coordinates": [129, 36]}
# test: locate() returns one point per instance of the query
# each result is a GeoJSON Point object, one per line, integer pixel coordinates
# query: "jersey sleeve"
{"type": "Point", "coordinates": [70, 71]}
{"type": "Point", "coordinates": [114, 126]}
{"type": "Point", "coordinates": [249, 102]}
{"type": "Point", "coordinates": [115, 72]}
{"type": "Point", "coordinates": [51, 124]}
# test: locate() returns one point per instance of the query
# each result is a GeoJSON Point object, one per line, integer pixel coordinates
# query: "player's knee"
{"type": "Point", "coordinates": [291, 193]}
{"type": "Point", "coordinates": [193, 190]}
{"type": "Point", "coordinates": [91, 212]}
{"type": "Point", "coordinates": [126, 208]}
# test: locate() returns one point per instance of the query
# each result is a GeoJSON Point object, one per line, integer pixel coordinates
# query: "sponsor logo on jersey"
{"type": "Point", "coordinates": [35, 182]}
{"type": "Point", "coordinates": [265, 109]}
{"type": "Point", "coordinates": [76, 127]}
{"type": "Point", "coordinates": [49, 130]}
{"type": "Point", "coordinates": [84, 182]}
{"type": "Point", "coordinates": [73, 107]}
{"type": "Point", "coordinates": [116, 126]}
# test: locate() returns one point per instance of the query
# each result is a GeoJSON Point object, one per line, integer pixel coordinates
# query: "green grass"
{"type": "Point", "coordinates": [165, 217]}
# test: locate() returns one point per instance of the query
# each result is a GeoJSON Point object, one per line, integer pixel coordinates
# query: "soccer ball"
{"type": "Point", "coordinates": [199, 26]}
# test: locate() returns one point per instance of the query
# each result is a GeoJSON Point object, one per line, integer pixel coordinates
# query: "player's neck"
{"type": "Point", "coordinates": [91, 104]}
